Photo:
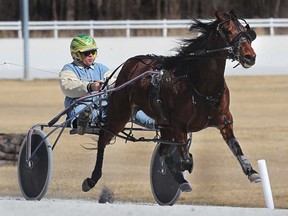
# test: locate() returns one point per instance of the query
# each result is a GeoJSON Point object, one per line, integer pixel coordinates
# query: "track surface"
{"type": "Point", "coordinates": [12, 207]}
{"type": "Point", "coordinates": [259, 105]}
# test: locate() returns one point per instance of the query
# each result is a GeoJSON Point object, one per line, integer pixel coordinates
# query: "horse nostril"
{"type": "Point", "coordinates": [251, 58]}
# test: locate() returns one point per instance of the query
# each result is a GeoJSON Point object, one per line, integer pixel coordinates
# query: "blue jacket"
{"type": "Point", "coordinates": [86, 74]}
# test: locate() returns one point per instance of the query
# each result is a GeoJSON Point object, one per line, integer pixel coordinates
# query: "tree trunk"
{"type": "Point", "coordinates": [70, 10]}
{"type": "Point", "coordinates": [277, 8]}
{"type": "Point", "coordinates": [54, 10]}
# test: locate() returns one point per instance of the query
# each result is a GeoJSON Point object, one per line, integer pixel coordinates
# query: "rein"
{"type": "Point", "coordinates": [112, 74]}
{"type": "Point", "coordinates": [79, 100]}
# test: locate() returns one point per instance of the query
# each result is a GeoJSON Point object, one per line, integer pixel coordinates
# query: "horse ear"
{"type": "Point", "coordinates": [219, 15]}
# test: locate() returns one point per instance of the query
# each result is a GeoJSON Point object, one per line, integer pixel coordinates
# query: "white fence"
{"type": "Point", "coordinates": [127, 25]}
{"type": "Point", "coordinates": [271, 55]}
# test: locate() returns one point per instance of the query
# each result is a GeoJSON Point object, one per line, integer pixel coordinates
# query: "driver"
{"type": "Point", "coordinates": [84, 76]}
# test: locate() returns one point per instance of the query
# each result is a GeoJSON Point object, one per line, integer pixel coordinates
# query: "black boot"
{"type": "Point", "coordinates": [83, 120]}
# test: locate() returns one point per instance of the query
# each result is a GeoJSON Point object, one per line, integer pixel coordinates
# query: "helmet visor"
{"type": "Point", "coordinates": [87, 53]}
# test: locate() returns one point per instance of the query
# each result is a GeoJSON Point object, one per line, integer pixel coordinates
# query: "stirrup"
{"type": "Point", "coordinates": [83, 120]}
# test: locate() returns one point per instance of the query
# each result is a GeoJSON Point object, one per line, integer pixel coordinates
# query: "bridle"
{"type": "Point", "coordinates": [231, 46]}
{"type": "Point", "coordinates": [242, 36]}
{"type": "Point", "coordinates": [245, 34]}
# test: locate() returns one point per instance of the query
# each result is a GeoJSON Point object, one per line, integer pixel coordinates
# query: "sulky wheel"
{"type": "Point", "coordinates": [164, 187]}
{"type": "Point", "coordinates": [34, 177]}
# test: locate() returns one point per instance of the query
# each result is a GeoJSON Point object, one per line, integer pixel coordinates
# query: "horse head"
{"type": "Point", "coordinates": [238, 37]}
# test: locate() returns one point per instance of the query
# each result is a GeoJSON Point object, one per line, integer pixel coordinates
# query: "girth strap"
{"type": "Point", "coordinates": [155, 102]}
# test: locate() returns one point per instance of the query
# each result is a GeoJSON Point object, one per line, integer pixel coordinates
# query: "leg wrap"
{"type": "Point", "coordinates": [236, 149]}
{"type": "Point", "coordinates": [245, 164]}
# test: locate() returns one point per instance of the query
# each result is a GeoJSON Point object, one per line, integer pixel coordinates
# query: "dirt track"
{"type": "Point", "coordinates": [258, 104]}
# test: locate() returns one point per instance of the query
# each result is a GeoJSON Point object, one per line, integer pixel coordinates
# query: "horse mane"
{"type": "Point", "coordinates": [191, 45]}
{"type": "Point", "coordinates": [187, 46]}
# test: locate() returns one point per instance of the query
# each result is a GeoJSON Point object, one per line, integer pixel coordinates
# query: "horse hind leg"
{"type": "Point", "coordinates": [89, 183]}
{"type": "Point", "coordinates": [104, 138]}
{"type": "Point", "coordinates": [176, 170]}
{"type": "Point", "coordinates": [186, 163]}
{"type": "Point", "coordinates": [173, 158]}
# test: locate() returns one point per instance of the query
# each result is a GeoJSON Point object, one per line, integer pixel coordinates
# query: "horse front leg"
{"type": "Point", "coordinates": [183, 162]}
{"type": "Point", "coordinates": [228, 135]}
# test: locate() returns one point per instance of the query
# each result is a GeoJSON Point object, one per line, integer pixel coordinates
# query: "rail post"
{"type": "Point", "coordinates": [91, 30]}
{"type": "Point", "coordinates": [19, 29]}
{"type": "Point", "coordinates": [127, 28]}
{"type": "Point", "coordinates": [165, 30]}
{"type": "Point", "coordinates": [25, 32]}
{"type": "Point", "coordinates": [55, 24]}
{"type": "Point", "coordinates": [272, 33]}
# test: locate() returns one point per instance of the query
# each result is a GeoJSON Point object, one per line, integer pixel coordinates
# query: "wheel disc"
{"type": "Point", "coordinates": [34, 177]}
{"type": "Point", "coordinates": [163, 185]}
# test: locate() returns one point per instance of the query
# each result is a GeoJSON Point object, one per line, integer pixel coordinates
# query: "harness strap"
{"type": "Point", "coordinates": [211, 100]}
{"type": "Point", "coordinates": [129, 137]}
{"type": "Point", "coordinates": [155, 102]}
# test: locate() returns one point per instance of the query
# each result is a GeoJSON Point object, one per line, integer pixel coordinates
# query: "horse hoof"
{"type": "Point", "coordinates": [85, 185]}
{"type": "Point", "coordinates": [185, 187]}
{"type": "Point", "coordinates": [254, 178]}
{"type": "Point", "coordinates": [187, 164]}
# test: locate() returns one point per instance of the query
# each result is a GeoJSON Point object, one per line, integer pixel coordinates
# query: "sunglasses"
{"type": "Point", "coordinates": [87, 53]}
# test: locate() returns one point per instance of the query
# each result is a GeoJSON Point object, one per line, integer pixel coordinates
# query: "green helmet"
{"type": "Point", "coordinates": [81, 43]}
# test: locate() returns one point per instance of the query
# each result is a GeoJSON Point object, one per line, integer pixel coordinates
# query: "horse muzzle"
{"type": "Point", "coordinates": [247, 56]}
{"type": "Point", "coordinates": [247, 60]}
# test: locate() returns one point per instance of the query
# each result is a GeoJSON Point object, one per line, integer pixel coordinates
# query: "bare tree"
{"type": "Point", "coordinates": [139, 9]}
{"type": "Point", "coordinates": [277, 8]}
{"type": "Point", "coordinates": [70, 10]}
{"type": "Point", "coordinates": [173, 9]}
{"type": "Point", "coordinates": [158, 9]}
{"type": "Point", "coordinates": [9, 10]}
{"type": "Point", "coordinates": [54, 10]}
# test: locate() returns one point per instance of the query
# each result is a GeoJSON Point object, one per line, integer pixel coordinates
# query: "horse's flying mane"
{"type": "Point", "coordinates": [188, 46]}
{"type": "Point", "coordinates": [191, 45]}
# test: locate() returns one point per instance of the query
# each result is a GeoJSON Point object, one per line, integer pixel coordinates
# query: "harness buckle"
{"type": "Point", "coordinates": [156, 78]}
{"type": "Point", "coordinates": [230, 49]}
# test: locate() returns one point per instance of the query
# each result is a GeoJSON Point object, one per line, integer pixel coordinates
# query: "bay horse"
{"type": "Point", "coordinates": [188, 95]}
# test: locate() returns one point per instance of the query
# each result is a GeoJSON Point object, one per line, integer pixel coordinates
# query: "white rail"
{"type": "Point", "coordinates": [127, 25]}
